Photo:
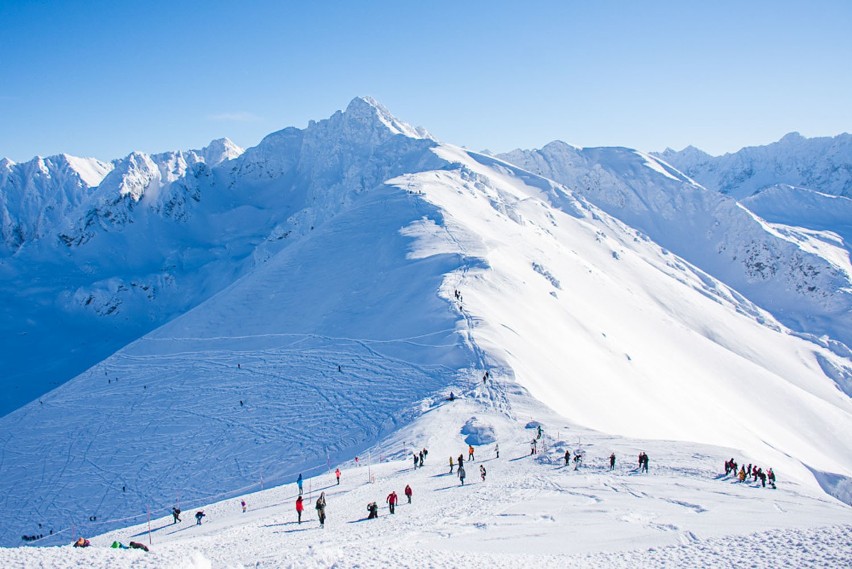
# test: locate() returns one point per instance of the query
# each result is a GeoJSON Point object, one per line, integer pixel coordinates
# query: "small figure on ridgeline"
{"type": "Point", "coordinates": [300, 507]}
{"type": "Point", "coordinates": [408, 492]}
{"type": "Point", "coordinates": [461, 474]}
{"type": "Point", "coordinates": [392, 500]}
{"type": "Point", "coordinates": [321, 509]}
{"type": "Point", "coordinates": [176, 514]}
{"type": "Point", "coordinates": [470, 453]}
{"type": "Point", "coordinates": [198, 515]}
{"type": "Point", "coordinates": [612, 461]}
{"type": "Point", "coordinates": [299, 483]}
{"type": "Point", "coordinates": [451, 465]}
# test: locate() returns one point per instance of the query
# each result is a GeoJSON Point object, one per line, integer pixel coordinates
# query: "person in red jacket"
{"type": "Point", "coordinates": [408, 492]}
{"type": "Point", "coordinates": [299, 508]}
{"type": "Point", "coordinates": [337, 473]}
{"type": "Point", "coordinates": [391, 500]}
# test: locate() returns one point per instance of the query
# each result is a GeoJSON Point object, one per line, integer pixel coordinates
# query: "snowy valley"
{"type": "Point", "coordinates": [232, 319]}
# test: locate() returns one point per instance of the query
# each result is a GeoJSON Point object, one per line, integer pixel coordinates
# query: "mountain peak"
{"type": "Point", "coordinates": [367, 108]}
{"type": "Point", "coordinates": [220, 150]}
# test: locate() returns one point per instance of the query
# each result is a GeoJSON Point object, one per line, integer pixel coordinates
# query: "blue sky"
{"type": "Point", "coordinates": [105, 78]}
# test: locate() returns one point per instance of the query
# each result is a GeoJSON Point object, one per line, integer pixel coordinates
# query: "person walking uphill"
{"type": "Point", "coordinates": [392, 500]}
{"type": "Point", "coordinates": [408, 492]}
{"type": "Point", "coordinates": [300, 507]}
{"type": "Point", "coordinates": [451, 465]}
{"type": "Point", "coordinates": [299, 483]}
{"type": "Point", "coordinates": [198, 515]}
{"type": "Point", "coordinates": [337, 473]}
{"type": "Point", "coordinates": [176, 514]}
{"type": "Point", "coordinates": [461, 474]}
{"type": "Point", "coordinates": [470, 453]}
{"type": "Point", "coordinates": [321, 509]}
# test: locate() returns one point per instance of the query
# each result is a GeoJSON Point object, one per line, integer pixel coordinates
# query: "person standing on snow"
{"type": "Point", "coordinates": [391, 500]}
{"type": "Point", "coordinates": [243, 504]}
{"type": "Point", "coordinates": [567, 457]}
{"type": "Point", "coordinates": [198, 515]}
{"type": "Point", "coordinates": [321, 509]}
{"type": "Point", "coordinates": [408, 492]}
{"type": "Point", "coordinates": [300, 507]}
{"type": "Point", "coordinates": [337, 473]}
{"type": "Point", "coordinates": [482, 472]}
{"type": "Point", "coordinates": [176, 514]}
{"type": "Point", "coordinates": [299, 483]}
{"type": "Point", "coordinates": [416, 460]}
{"type": "Point", "coordinates": [532, 446]}
{"type": "Point", "coordinates": [612, 461]}
{"type": "Point", "coordinates": [451, 465]}
{"type": "Point", "coordinates": [461, 475]}
{"type": "Point", "coordinates": [497, 450]}
{"type": "Point", "coordinates": [470, 453]}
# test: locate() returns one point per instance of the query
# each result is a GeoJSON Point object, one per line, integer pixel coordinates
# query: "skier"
{"type": "Point", "coordinates": [176, 514]}
{"type": "Point", "coordinates": [299, 483]}
{"type": "Point", "coordinates": [470, 453]}
{"type": "Point", "coordinates": [243, 504]}
{"type": "Point", "coordinates": [451, 465]}
{"type": "Point", "coordinates": [408, 492]}
{"type": "Point", "coordinates": [198, 515]}
{"type": "Point", "coordinates": [461, 475]}
{"type": "Point", "coordinates": [482, 472]}
{"type": "Point", "coordinates": [373, 509]}
{"type": "Point", "coordinates": [391, 500]}
{"type": "Point", "coordinates": [300, 507]}
{"type": "Point", "coordinates": [612, 461]}
{"type": "Point", "coordinates": [321, 509]}
{"type": "Point", "coordinates": [337, 473]}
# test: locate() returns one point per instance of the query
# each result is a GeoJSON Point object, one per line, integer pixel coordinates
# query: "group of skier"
{"type": "Point", "coordinates": [751, 471]}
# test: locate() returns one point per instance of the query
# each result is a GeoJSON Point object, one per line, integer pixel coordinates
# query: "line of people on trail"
{"type": "Point", "coordinates": [752, 471]}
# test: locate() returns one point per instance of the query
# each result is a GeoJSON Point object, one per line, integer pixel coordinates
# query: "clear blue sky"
{"type": "Point", "coordinates": [104, 78]}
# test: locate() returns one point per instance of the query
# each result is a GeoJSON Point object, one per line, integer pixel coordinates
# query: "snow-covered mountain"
{"type": "Point", "coordinates": [823, 164]}
{"type": "Point", "coordinates": [803, 280]}
{"type": "Point", "coordinates": [329, 287]}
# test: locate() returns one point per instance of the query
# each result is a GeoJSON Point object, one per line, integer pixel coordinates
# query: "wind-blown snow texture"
{"type": "Point", "coordinates": [332, 285]}
{"type": "Point", "coordinates": [808, 288]}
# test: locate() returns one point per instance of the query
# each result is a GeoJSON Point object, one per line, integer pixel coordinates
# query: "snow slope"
{"type": "Point", "coordinates": [343, 337]}
{"type": "Point", "coordinates": [805, 289]}
{"type": "Point", "coordinates": [531, 510]}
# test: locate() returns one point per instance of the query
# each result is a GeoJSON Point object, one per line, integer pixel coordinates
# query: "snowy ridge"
{"type": "Point", "coordinates": [823, 164]}
{"type": "Point", "coordinates": [806, 290]}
